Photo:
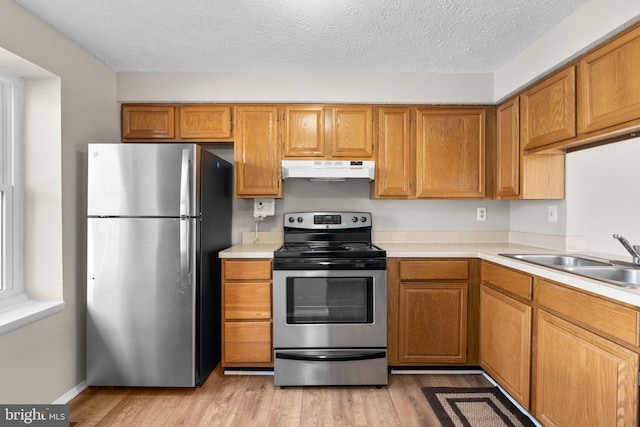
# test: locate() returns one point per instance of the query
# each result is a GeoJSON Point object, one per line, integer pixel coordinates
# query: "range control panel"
{"type": "Point", "coordinates": [325, 220]}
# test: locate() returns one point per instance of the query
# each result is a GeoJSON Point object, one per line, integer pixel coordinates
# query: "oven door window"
{"type": "Point", "coordinates": [329, 300]}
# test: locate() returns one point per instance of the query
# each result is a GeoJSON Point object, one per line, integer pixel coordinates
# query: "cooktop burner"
{"type": "Point", "coordinates": [328, 235]}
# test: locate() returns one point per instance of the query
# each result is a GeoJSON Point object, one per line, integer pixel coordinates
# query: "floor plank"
{"type": "Point", "coordinates": [253, 400]}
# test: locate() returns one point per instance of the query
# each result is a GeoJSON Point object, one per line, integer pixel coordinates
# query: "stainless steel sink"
{"type": "Point", "coordinates": [623, 276]}
{"type": "Point", "coordinates": [549, 260]}
{"type": "Point", "coordinates": [615, 272]}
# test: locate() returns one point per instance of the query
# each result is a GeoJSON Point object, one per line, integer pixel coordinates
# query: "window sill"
{"type": "Point", "coordinates": [27, 312]}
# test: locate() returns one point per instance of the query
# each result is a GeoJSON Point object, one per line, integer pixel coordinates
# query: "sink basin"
{"type": "Point", "coordinates": [562, 261]}
{"type": "Point", "coordinates": [622, 276]}
{"type": "Point", "coordinates": [617, 273]}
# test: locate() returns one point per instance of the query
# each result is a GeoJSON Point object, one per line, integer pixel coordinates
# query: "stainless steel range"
{"type": "Point", "coordinates": [329, 302]}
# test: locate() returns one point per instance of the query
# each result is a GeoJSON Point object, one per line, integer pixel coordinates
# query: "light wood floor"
{"type": "Point", "coordinates": [249, 400]}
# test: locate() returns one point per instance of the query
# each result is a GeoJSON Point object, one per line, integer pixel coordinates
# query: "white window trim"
{"type": "Point", "coordinates": [16, 309]}
{"type": "Point", "coordinates": [11, 183]}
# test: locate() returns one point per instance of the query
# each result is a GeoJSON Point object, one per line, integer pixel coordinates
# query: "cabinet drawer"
{"type": "Point", "coordinates": [247, 342]}
{"type": "Point", "coordinates": [434, 269]}
{"type": "Point", "coordinates": [247, 300]}
{"type": "Point", "coordinates": [516, 283]}
{"type": "Point", "coordinates": [247, 269]}
{"type": "Point", "coordinates": [599, 314]}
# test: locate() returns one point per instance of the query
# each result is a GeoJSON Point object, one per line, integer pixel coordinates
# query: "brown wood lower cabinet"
{"type": "Point", "coordinates": [586, 358]}
{"type": "Point", "coordinates": [583, 379]}
{"type": "Point", "coordinates": [431, 317]}
{"type": "Point", "coordinates": [505, 342]}
{"type": "Point", "coordinates": [246, 313]}
{"type": "Point", "coordinates": [505, 329]}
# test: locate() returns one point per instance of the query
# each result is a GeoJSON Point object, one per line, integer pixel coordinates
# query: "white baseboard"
{"type": "Point", "coordinates": [66, 398]}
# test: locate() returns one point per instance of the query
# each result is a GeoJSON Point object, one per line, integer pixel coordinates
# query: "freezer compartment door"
{"type": "Point", "coordinates": [143, 180]}
{"type": "Point", "coordinates": [141, 287]}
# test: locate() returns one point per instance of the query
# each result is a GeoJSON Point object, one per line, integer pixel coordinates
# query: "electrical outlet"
{"type": "Point", "coordinates": [481, 214]}
{"type": "Point", "coordinates": [264, 207]}
{"type": "Point", "coordinates": [552, 213]}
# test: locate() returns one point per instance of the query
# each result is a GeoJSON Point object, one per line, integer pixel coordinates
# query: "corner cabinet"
{"type": "Point", "coordinates": [256, 152]}
{"type": "Point", "coordinates": [520, 175]}
{"type": "Point", "coordinates": [246, 313]}
{"type": "Point", "coordinates": [429, 312]}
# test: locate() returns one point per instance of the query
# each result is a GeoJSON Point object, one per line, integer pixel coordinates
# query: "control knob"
{"type": "Point", "coordinates": [354, 219]}
{"type": "Point", "coordinates": [363, 219]}
{"type": "Point", "coordinates": [291, 219]}
{"type": "Point", "coordinates": [299, 219]}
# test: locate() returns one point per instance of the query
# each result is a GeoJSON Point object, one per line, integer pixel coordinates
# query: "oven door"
{"type": "Point", "coordinates": [316, 309]}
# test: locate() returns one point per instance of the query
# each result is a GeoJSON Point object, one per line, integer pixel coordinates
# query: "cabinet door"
{"type": "Point", "coordinates": [205, 122]}
{"type": "Point", "coordinates": [256, 154]}
{"type": "Point", "coordinates": [148, 122]}
{"type": "Point", "coordinates": [608, 84]}
{"type": "Point", "coordinates": [450, 149]}
{"type": "Point", "coordinates": [394, 160]}
{"type": "Point", "coordinates": [548, 112]}
{"type": "Point", "coordinates": [433, 323]}
{"type": "Point", "coordinates": [505, 342]}
{"type": "Point", "coordinates": [303, 132]}
{"type": "Point", "coordinates": [583, 379]}
{"type": "Point", "coordinates": [352, 132]}
{"type": "Point", "coordinates": [508, 149]}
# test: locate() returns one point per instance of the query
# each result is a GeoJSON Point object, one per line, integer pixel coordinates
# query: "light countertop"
{"type": "Point", "coordinates": [486, 251]}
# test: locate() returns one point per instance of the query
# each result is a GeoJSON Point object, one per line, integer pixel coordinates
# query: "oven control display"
{"type": "Point", "coordinates": [327, 219]}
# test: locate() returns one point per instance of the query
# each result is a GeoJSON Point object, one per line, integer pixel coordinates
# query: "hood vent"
{"type": "Point", "coordinates": [328, 170]}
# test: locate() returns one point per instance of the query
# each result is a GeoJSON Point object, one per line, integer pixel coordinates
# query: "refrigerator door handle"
{"type": "Point", "coordinates": [185, 184]}
{"type": "Point", "coordinates": [185, 253]}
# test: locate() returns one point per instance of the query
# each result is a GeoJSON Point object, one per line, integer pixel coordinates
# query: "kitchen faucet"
{"type": "Point", "coordinates": [633, 250]}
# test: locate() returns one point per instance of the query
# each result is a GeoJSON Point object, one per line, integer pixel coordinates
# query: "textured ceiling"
{"type": "Point", "coordinates": [465, 36]}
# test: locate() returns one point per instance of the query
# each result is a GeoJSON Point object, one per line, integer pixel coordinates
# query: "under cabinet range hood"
{"type": "Point", "coordinates": [328, 170]}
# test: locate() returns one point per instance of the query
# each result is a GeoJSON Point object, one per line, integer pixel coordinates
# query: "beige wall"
{"type": "Point", "coordinates": [42, 361]}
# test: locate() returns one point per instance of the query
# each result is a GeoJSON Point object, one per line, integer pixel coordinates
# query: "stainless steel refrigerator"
{"type": "Point", "coordinates": [157, 216]}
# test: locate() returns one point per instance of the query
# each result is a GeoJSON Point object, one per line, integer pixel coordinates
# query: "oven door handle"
{"type": "Point", "coordinates": [332, 356]}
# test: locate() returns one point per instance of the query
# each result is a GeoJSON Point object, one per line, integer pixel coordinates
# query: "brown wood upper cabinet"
{"type": "Point", "coordinates": [608, 82]}
{"type": "Point", "coordinates": [205, 122]}
{"type": "Point", "coordinates": [169, 123]}
{"type": "Point", "coordinates": [548, 110]}
{"type": "Point", "coordinates": [303, 131]}
{"type": "Point", "coordinates": [430, 153]}
{"type": "Point", "coordinates": [450, 152]}
{"type": "Point", "coordinates": [257, 170]}
{"type": "Point", "coordinates": [394, 164]}
{"type": "Point", "coordinates": [508, 149]}
{"type": "Point", "coordinates": [327, 132]}
{"type": "Point", "coordinates": [140, 122]}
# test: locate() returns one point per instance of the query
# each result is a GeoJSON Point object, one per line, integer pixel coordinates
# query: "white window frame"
{"type": "Point", "coordinates": [12, 289]}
